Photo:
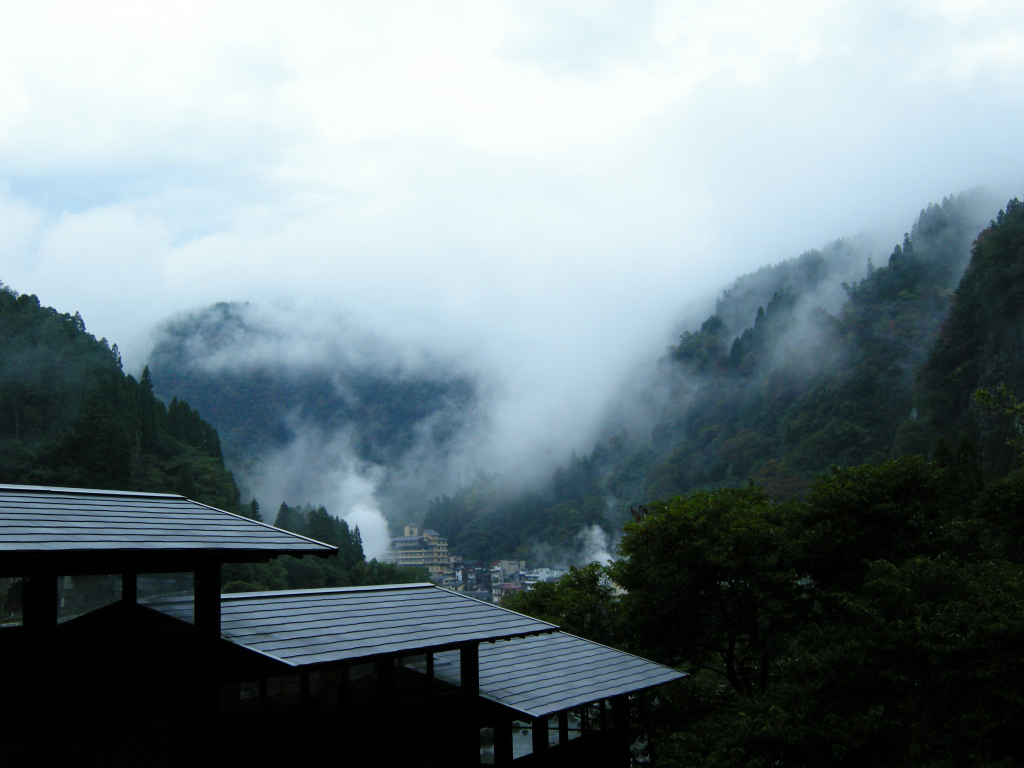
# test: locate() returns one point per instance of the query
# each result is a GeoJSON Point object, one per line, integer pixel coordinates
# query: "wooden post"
{"type": "Point", "coordinates": [39, 618]}
{"type": "Point", "coordinates": [39, 609]}
{"type": "Point", "coordinates": [207, 600]}
{"type": "Point", "coordinates": [563, 727]}
{"type": "Point", "coordinates": [206, 613]}
{"type": "Point", "coordinates": [304, 690]}
{"type": "Point", "coordinates": [129, 599]}
{"type": "Point", "coordinates": [428, 682]}
{"type": "Point", "coordinates": [620, 722]}
{"type": "Point", "coordinates": [343, 694]}
{"type": "Point", "coordinates": [540, 734]}
{"type": "Point", "coordinates": [385, 725]}
{"type": "Point", "coordinates": [469, 674]}
{"type": "Point", "coordinates": [130, 587]}
{"type": "Point", "coordinates": [620, 712]}
{"type": "Point", "coordinates": [502, 741]}
{"type": "Point", "coordinates": [469, 669]}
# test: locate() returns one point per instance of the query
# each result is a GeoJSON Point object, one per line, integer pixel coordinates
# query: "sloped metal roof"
{"type": "Point", "coordinates": [312, 626]}
{"type": "Point", "coordinates": [541, 675]}
{"type": "Point", "coordinates": [39, 520]}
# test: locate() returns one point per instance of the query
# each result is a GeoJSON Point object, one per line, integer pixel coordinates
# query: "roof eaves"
{"type": "Point", "coordinates": [325, 549]}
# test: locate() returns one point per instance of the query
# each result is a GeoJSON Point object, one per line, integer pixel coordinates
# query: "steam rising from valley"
{"type": "Point", "coordinates": [314, 408]}
{"type": "Point", "coordinates": [491, 220]}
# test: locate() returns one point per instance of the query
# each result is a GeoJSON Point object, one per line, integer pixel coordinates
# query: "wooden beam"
{"type": "Point", "coordinates": [503, 741]}
{"type": "Point", "coordinates": [469, 729]}
{"type": "Point", "coordinates": [540, 734]}
{"type": "Point", "coordinates": [469, 668]}
{"type": "Point", "coordinates": [129, 599]}
{"type": "Point", "coordinates": [39, 607]}
{"type": "Point", "coordinates": [130, 586]}
{"type": "Point", "coordinates": [207, 600]}
{"type": "Point", "coordinates": [620, 724]}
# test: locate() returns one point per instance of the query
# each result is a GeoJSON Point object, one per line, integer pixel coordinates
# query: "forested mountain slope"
{"type": "Point", "coordinates": [802, 389]}
{"type": "Point", "coordinates": [69, 416]}
{"type": "Point", "coordinates": [228, 360]}
{"type": "Point", "coordinates": [875, 620]}
{"type": "Point", "coordinates": [774, 399]}
{"type": "Point", "coordinates": [981, 344]}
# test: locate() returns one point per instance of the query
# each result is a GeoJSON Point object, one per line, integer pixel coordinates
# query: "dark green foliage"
{"type": "Point", "coordinates": [255, 405]}
{"type": "Point", "coordinates": [69, 416]}
{"type": "Point", "coordinates": [348, 568]}
{"type": "Point", "coordinates": [581, 602]}
{"type": "Point", "coordinates": [484, 522]}
{"type": "Point", "coordinates": [979, 343]}
{"type": "Point", "coordinates": [798, 392]}
{"type": "Point", "coordinates": [877, 622]}
{"type": "Point", "coordinates": [253, 513]}
{"type": "Point", "coordinates": [771, 389]}
{"type": "Point", "coordinates": [710, 583]}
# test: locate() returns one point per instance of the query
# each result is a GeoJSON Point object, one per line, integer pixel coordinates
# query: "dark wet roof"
{"type": "Point", "coordinates": [540, 675]}
{"type": "Point", "coordinates": [312, 626]}
{"type": "Point", "coordinates": [39, 520]}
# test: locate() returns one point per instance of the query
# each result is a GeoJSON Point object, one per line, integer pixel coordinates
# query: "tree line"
{"type": "Point", "coordinates": [71, 417]}
{"type": "Point", "coordinates": [878, 621]}
{"type": "Point", "coordinates": [347, 568]}
{"type": "Point", "coordinates": [774, 389]}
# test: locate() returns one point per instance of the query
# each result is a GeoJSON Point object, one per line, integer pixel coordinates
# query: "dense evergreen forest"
{"type": "Point", "coordinates": [876, 619]}
{"type": "Point", "coordinates": [774, 388]}
{"type": "Point", "coordinates": [823, 527]}
{"type": "Point", "coordinates": [348, 568]}
{"type": "Point", "coordinates": [70, 417]}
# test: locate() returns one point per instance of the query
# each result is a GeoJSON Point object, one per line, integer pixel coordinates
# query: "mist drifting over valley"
{"type": "Point", "coordinates": [312, 408]}
{"type": "Point", "coordinates": [512, 210]}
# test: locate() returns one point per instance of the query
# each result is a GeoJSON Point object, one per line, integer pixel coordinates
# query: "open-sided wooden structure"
{"type": "Point", "coordinates": [118, 645]}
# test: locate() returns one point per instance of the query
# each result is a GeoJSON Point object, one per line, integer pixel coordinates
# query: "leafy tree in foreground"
{"type": "Point", "coordinates": [710, 584]}
{"type": "Point", "coordinates": [581, 603]}
{"type": "Point", "coordinates": [878, 622]}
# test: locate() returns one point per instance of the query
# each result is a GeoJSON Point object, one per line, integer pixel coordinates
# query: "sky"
{"type": "Point", "coordinates": [547, 189]}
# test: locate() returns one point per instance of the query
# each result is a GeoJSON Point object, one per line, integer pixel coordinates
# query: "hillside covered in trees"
{"type": "Point", "coordinates": [774, 388]}
{"type": "Point", "coordinates": [875, 618]}
{"type": "Point", "coordinates": [261, 383]}
{"type": "Point", "coordinates": [70, 417]}
{"type": "Point", "coordinates": [878, 621]}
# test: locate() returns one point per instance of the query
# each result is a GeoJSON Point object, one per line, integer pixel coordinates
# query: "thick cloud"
{"type": "Point", "coordinates": [541, 189]}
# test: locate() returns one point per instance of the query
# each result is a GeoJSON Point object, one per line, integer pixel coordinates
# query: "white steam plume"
{"type": "Point", "coordinates": [595, 545]}
{"type": "Point", "coordinates": [323, 469]}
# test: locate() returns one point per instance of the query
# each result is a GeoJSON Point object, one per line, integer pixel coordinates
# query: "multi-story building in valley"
{"type": "Point", "coordinates": [422, 548]}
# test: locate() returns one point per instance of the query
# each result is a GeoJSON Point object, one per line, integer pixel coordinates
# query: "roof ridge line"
{"type": "Point", "coordinates": [59, 490]}
{"type": "Point", "coordinates": [326, 590]}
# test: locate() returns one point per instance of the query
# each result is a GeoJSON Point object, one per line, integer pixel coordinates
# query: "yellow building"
{"type": "Point", "coordinates": [423, 548]}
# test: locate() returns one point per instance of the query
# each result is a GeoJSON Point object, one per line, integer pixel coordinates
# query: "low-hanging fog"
{"type": "Point", "coordinates": [536, 196]}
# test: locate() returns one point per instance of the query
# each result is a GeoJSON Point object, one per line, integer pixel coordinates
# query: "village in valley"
{"type": "Point", "coordinates": [490, 582]}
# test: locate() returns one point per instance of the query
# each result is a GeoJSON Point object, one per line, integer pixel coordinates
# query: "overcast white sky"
{"type": "Point", "coordinates": [543, 184]}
